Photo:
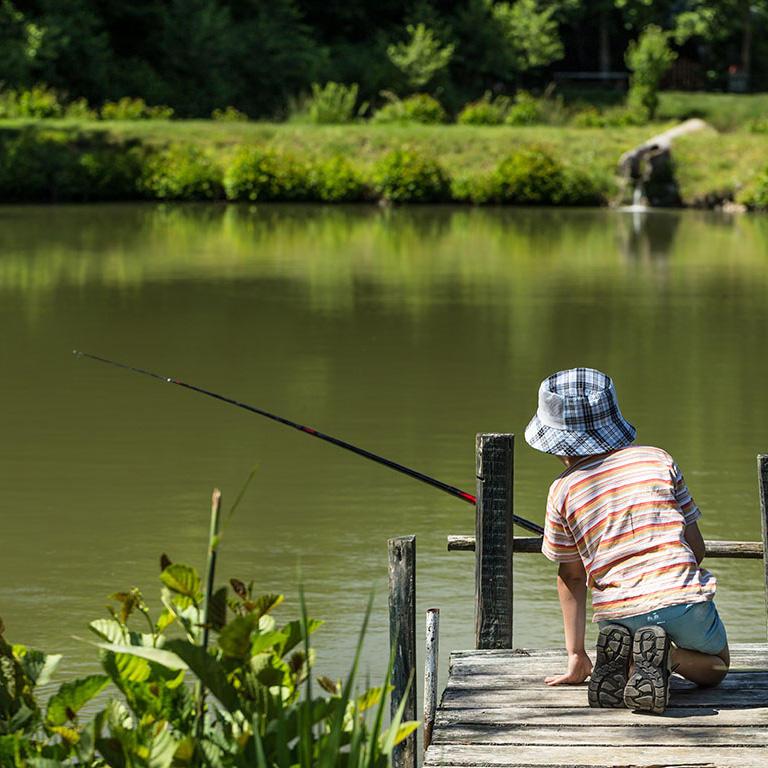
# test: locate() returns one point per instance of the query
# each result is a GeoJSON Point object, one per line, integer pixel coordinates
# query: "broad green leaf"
{"type": "Point", "coordinates": [157, 655]}
{"type": "Point", "coordinates": [72, 696]}
{"type": "Point", "coordinates": [112, 751]}
{"type": "Point", "coordinates": [109, 630]}
{"type": "Point", "coordinates": [164, 621]}
{"type": "Point", "coordinates": [235, 638]}
{"type": "Point", "coordinates": [217, 609]}
{"type": "Point", "coordinates": [405, 730]}
{"type": "Point", "coordinates": [183, 580]}
{"type": "Point", "coordinates": [369, 699]}
{"type": "Point", "coordinates": [162, 747]}
{"type": "Point", "coordinates": [264, 604]}
{"type": "Point", "coordinates": [125, 668]}
{"type": "Point", "coordinates": [37, 666]}
{"type": "Point", "coordinates": [69, 735]}
{"type": "Point", "coordinates": [209, 671]}
{"type": "Point", "coordinates": [294, 635]}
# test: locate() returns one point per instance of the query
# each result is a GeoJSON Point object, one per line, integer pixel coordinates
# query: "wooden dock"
{"type": "Point", "coordinates": [497, 711]}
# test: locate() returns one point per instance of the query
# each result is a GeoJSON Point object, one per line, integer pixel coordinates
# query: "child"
{"type": "Point", "coordinates": [621, 521]}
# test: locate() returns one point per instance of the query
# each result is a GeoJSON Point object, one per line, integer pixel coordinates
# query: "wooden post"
{"type": "Point", "coordinates": [431, 655]}
{"type": "Point", "coordinates": [762, 478]}
{"type": "Point", "coordinates": [402, 638]}
{"type": "Point", "coordinates": [494, 541]}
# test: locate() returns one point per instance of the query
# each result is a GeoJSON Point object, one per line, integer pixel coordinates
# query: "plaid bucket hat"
{"type": "Point", "coordinates": [578, 415]}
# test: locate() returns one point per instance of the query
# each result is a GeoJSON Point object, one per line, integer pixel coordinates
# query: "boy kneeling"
{"type": "Point", "coordinates": [620, 520]}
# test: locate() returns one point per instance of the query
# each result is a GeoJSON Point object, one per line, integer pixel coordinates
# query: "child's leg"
{"type": "Point", "coordinates": [701, 668]}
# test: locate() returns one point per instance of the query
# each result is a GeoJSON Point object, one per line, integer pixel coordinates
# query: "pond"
{"type": "Point", "coordinates": [405, 331]}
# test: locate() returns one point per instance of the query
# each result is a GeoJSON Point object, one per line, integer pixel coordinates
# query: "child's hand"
{"type": "Point", "coordinates": [579, 669]}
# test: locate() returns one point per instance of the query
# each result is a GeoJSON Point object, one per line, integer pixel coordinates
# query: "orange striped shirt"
{"type": "Point", "coordinates": [624, 516]}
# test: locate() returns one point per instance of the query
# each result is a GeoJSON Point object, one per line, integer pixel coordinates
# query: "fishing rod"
{"type": "Point", "coordinates": [439, 484]}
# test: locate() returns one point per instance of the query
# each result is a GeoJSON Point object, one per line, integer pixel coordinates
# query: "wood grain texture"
{"type": "Point", "coordinates": [402, 637]}
{"type": "Point", "coordinates": [496, 711]}
{"type": "Point", "coordinates": [493, 536]}
{"type": "Point", "coordinates": [762, 477]}
{"type": "Point", "coordinates": [749, 550]}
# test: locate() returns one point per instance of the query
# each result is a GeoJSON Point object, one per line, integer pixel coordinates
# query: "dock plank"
{"type": "Point", "coordinates": [497, 711]}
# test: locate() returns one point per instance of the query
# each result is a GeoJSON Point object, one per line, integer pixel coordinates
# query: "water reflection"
{"type": "Point", "coordinates": [404, 330]}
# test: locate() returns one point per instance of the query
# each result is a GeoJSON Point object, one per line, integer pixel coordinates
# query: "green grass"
{"type": "Point", "coordinates": [725, 111]}
{"type": "Point", "coordinates": [707, 163]}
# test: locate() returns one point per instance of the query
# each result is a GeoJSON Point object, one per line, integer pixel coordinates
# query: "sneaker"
{"type": "Point", "coordinates": [609, 676]}
{"type": "Point", "coordinates": [648, 688]}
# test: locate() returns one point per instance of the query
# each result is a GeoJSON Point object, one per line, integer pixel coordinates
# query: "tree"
{"type": "Point", "coordinates": [421, 57]}
{"type": "Point", "coordinates": [497, 41]}
{"type": "Point", "coordinates": [648, 58]}
{"type": "Point", "coordinates": [20, 43]}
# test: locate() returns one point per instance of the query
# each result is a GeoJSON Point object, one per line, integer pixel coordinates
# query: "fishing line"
{"type": "Point", "coordinates": [434, 482]}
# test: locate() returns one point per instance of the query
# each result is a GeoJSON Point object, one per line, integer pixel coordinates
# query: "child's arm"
{"type": "Point", "coordinates": [695, 541]}
{"type": "Point", "coordinates": [572, 591]}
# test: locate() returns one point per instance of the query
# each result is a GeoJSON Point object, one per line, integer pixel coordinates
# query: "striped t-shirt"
{"type": "Point", "coordinates": [624, 515]}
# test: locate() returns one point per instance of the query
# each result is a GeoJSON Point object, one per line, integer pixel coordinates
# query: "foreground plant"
{"type": "Point", "coordinates": [246, 701]}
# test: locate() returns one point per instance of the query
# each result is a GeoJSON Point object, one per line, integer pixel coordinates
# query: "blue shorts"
{"type": "Point", "coordinates": [696, 626]}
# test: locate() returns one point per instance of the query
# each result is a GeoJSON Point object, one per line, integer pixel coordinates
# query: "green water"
{"type": "Point", "coordinates": [406, 331]}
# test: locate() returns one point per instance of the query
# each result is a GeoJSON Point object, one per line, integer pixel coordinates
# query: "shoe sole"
{"type": "Point", "coordinates": [609, 676]}
{"type": "Point", "coordinates": [647, 689]}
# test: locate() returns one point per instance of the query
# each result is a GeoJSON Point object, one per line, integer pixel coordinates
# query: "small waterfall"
{"type": "Point", "coordinates": [637, 196]}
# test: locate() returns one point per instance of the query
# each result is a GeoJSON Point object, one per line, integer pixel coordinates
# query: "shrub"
{"type": "Point", "coordinates": [128, 108]}
{"type": "Point", "coordinates": [50, 167]}
{"type": "Point", "coordinates": [332, 103]}
{"type": "Point", "coordinates": [485, 111]}
{"type": "Point", "coordinates": [533, 176]}
{"type": "Point", "coordinates": [419, 108]}
{"type": "Point", "coordinates": [648, 58]}
{"type": "Point", "coordinates": [38, 102]}
{"type": "Point", "coordinates": [335, 180]}
{"type": "Point", "coordinates": [182, 172]}
{"type": "Point", "coordinates": [258, 174]}
{"type": "Point", "coordinates": [525, 110]}
{"type": "Point", "coordinates": [229, 115]}
{"type": "Point", "coordinates": [612, 117]}
{"type": "Point", "coordinates": [758, 125]}
{"type": "Point", "coordinates": [755, 194]}
{"type": "Point", "coordinates": [403, 176]}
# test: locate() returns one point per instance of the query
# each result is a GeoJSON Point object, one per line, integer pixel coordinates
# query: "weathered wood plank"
{"type": "Point", "coordinates": [493, 532]}
{"type": "Point", "coordinates": [675, 735]}
{"type": "Point", "coordinates": [431, 657]}
{"type": "Point", "coordinates": [531, 716]}
{"type": "Point", "coordinates": [762, 476]}
{"type": "Point", "coordinates": [735, 680]}
{"type": "Point", "coordinates": [402, 637]}
{"type": "Point", "coordinates": [576, 696]}
{"type": "Point", "coordinates": [606, 757]}
{"type": "Point", "coordinates": [750, 550]}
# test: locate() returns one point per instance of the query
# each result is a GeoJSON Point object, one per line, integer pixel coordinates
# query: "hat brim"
{"type": "Point", "coordinates": [562, 442]}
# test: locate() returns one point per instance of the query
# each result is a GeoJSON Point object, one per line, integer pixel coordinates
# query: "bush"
{"type": "Point", "coordinates": [50, 168]}
{"type": "Point", "coordinates": [419, 108]}
{"type": "Point", "coordinates": [182, 172]}
{"type": "Point", "coordinates": [335, 180]}
{"type": "Point", "coordinates": [755, 194]}
{"type": "Point", "coordinates": [758, 125]}
{"type": "Point", "coordinates": [525, 110]}
{"type": "Point", "coordinates": [257, 174]}
{"type": "Point", "coordinates": [229, 115]}
{"type": "Point", "coordinates": [533, 176]}
{"type": "Point", "coordinates": [402, 176]}
{"type": "Point", "coordinates": [38, 102]}
{"type": "Point", "coordinates": [485, 111]}
{"type": "Point", "coordinates": [332, 103]}
{"type": "Point", "coordinates": [648, 58]}
{"type": "Point", "coordinates": [134, 109]}
{"type": "Point", "coordinates": [612, 117]}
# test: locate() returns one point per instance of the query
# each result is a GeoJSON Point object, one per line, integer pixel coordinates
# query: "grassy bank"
{"type": "Point", "coordinates": [709, 166]}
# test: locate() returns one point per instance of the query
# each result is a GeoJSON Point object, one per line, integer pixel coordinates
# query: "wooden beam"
{"type": "Point", "coordinates": [715, 548]}
{"type": "Point", "coordinates": [493, 534]}
{"type": "Point", "coordinates": [431, 655]}
{"type": "Point", "coordinates": [402, 638]}
{"type": "Point", "coordinates": [762, 478]}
